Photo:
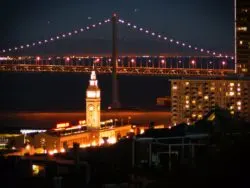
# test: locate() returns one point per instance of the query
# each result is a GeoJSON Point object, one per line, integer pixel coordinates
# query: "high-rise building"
{"type": "Point", "coordinates": [242, 32]}
{"type": "Point", "coordinates": [93, 103]}
{"type": "Point", "coordinates": [194, 98]}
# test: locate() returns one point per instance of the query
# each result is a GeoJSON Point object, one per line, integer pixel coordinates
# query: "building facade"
{"type": "Point", "coordinates": [242, 32]}
{"type": "Point", "coordinates": [54, 141]}
{"type": "Point", "coordinates": [192, 99]}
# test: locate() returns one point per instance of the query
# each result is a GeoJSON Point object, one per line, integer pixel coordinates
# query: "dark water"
{"type": "Point", "coordinates": [66, 91]}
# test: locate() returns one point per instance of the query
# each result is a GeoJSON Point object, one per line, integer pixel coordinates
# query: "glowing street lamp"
{"type": "Point", "coordinates": [223, 64]}
{"type": "Point", "coordinates": [97, 60]}
{"type": "Point", "coordinates": [133, 62]}
{"type": "Point", "coordinates": [163, 62]}
{"type": "Point", "coordinates": [179, 62]}
{"type": "Point", "coordinates": [193, 63]}
{"type": "Point", "coordinates": [38, 59]}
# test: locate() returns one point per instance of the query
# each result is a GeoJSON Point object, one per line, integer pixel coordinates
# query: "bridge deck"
{"type": "Point", "coordinates": [137, 70]}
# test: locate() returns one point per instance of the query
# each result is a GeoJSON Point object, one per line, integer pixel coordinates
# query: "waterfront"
{"type": "Point", "coordinates": [49, 119]}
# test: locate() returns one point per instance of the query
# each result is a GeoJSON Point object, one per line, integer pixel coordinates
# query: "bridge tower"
{"type": "Point", "coordinates": [115, 98]}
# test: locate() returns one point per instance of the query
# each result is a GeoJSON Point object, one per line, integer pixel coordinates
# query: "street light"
{"type": "Point", "coordinates": [67, 59]}
{"type": "Point", "coordinates": [223, 64]}
{"type": "Point", "coordinates": [193, 63]}
{"type": "Point", "coordinates": [178, 63]}
{"type": "Point", "coordinates": [163, 62]}
{"type": "Point", "coordinates": [132, 61]}
{"type": "Point", "coordinates": [37, 59]}
{"type": "Point", "coordinates": [49, 59]}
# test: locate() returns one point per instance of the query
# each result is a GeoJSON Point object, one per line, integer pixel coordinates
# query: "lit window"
{"type": "Point", "coordinates": [93, 82]}
{"type": "Point", "coordinates": [93, 94]}
{"type": "Point", "coordinates": [242, 28]}
{"type": "Point", "coordinates": [174, 87]}
{"type": "Point", "coordinates": [244, 10]}
{"type": "Point", "coordinates": [244, 70]}
{"type": "Point", "coordinates": [241, 42]}
{"type": "Point", "coordinates": [206, 97]}
{"type": "Point", "coordinates": [211, 117]}
{"type": "Point", "coordinates": [212, 88]}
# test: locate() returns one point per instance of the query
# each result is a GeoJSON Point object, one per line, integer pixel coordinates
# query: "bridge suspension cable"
{"type": "Point", "coordinates": [56, 37]}
{"type": "Point", "coordinates": [162, 37]}
{"type": "Point", "coordinates": [130, 25]}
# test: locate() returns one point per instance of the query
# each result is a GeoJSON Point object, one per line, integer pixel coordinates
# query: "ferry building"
{"type": "Point", "coordinates": [90, 132]}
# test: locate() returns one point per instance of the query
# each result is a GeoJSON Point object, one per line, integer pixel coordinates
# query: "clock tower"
{"type": "Point", "coordinates": [93, 103]}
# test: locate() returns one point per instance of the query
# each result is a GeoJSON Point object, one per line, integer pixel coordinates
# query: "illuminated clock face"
{"type": "Point", "coordinates": [91, 108]}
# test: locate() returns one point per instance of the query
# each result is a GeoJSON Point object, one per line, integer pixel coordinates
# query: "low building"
{"type": "Point", "coordinates": [194, 98]}
{"type": "Point", "coordinates": [55, 140]}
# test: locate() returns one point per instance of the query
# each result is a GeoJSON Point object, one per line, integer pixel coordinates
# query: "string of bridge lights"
{"type": "Point", "coordinates": [128, 24]}
{"type": "Point", "coordinates": [55, 38]}
{"type": "Point", "coordinates": [177, 42]}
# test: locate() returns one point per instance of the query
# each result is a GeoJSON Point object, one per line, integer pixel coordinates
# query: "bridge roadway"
{"type": "Point", "coordinates": [124, 70]}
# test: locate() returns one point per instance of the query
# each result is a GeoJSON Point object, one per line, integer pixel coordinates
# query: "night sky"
{"type": "Point", "coordinates": [205, 23]}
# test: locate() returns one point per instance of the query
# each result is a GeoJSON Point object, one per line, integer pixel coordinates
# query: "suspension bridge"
{"type": "Point", "coordinates": [209, 64]}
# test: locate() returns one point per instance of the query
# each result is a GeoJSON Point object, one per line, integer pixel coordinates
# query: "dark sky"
{"type": "Point", "coordinates": [206, 23]}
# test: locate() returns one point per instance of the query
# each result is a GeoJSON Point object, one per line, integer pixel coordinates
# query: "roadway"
{"type": "Point", "coordinates": [123, 70]}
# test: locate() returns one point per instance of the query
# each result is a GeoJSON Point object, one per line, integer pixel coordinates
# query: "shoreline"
{"type": "Point", "coordinates": [49, 119]}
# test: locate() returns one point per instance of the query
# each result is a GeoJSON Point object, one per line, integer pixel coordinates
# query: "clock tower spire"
{"type": "Point", "coordinates": [93, 103]}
